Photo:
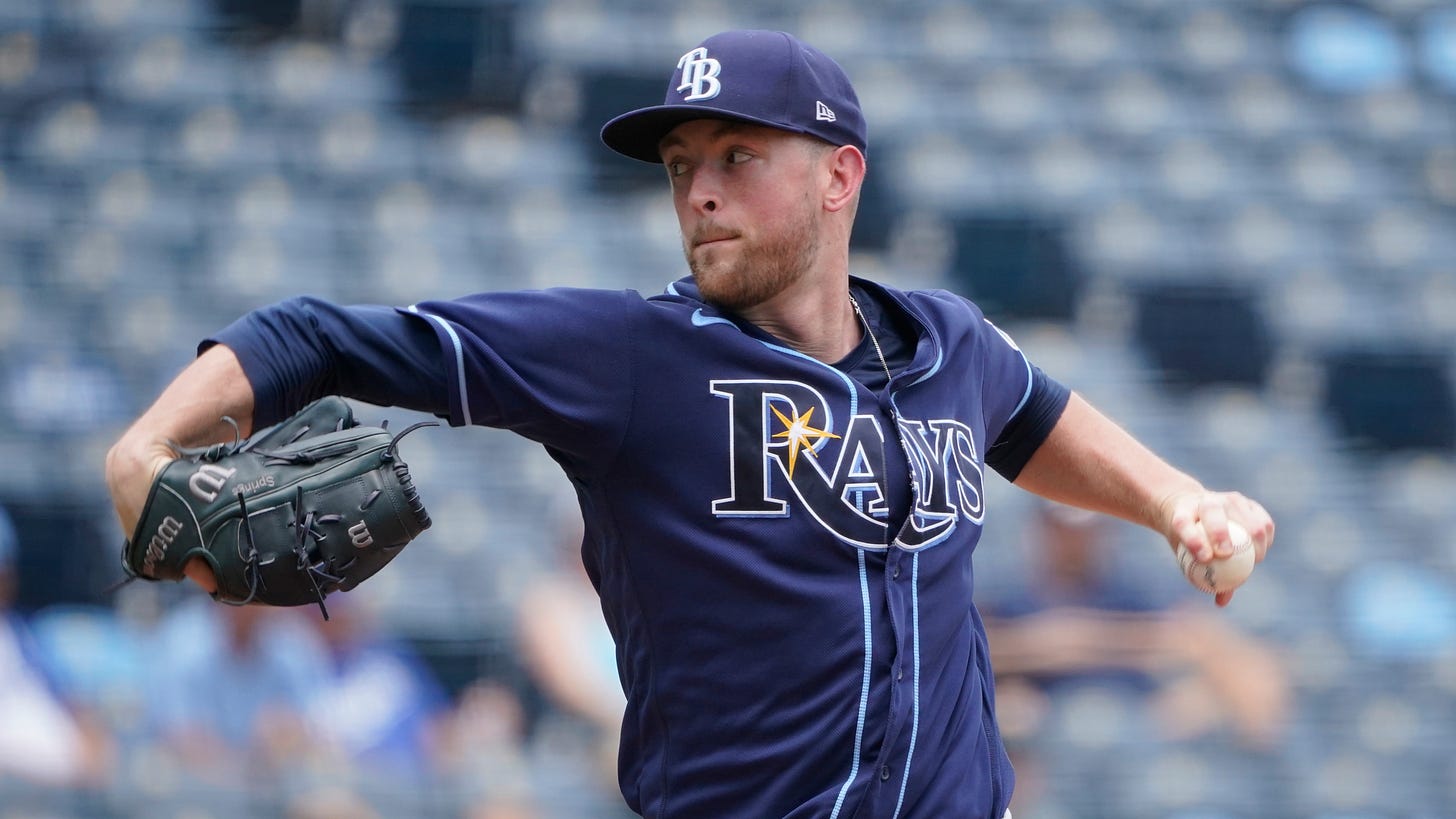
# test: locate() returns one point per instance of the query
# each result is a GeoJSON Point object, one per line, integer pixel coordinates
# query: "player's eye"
{"type": "Point", "coordinates": [738, 157]}
{"type": "Point", "coordinates": [676, 169]}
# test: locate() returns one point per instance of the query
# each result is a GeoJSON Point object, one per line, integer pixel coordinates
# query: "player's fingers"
{"type": "Point", "coordinates": [1183, 526]}
{"type": "Point", "coordinates": [1257, 520]}
{"type": "Point", "coordinates": [201, 573]}
{"type": "Point", "coordinates": [1214, 517]}
{"type": "Point", "coordinates": [1223, 598]}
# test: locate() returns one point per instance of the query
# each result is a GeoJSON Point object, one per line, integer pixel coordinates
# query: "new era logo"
{"type": "Point", "coordinates": [822, 112]}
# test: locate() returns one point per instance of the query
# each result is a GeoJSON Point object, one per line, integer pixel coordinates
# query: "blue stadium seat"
{"type": "Point", "coordinates": [171, 71]}
{"type": "Point", "coordinates": [1437, 47]}
{"type": "Point", "coordinates": [1208, 334]}
{"type": "Point", "coordinates": [453, 54]}
{"type": "Point", "coordinates": [1345, 49]}
{"type": "Point", "coordinates": [1399, 612]}
{"type": "Point", "coordinates": [1391, 398]}
{"type": "Point", "coordinates": [30, 209]}
{"type": "Point", "coordinates": [143, 157]}
{"type": "Point", "coordinates": [1015, 267]}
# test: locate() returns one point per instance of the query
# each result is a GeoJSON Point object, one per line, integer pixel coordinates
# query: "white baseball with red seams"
{"type": "Point", "coordinates": [1224, 573]}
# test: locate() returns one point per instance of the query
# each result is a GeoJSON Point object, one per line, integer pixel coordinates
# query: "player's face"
{"type": "Point", "coordinates": [747, 201]}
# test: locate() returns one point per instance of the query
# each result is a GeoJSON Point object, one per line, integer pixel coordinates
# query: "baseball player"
{"type": "Point", "coordinates": [780, 466]}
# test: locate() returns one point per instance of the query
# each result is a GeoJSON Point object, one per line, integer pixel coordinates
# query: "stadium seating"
{"type": "Point", "coordinates": [1228, 223]}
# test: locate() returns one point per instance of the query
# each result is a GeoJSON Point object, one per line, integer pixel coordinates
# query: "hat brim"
{"type": "Point", "coordinates": [637, 134]}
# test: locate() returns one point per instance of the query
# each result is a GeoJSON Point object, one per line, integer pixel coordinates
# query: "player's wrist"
{"type": "Point", "coordinates": [132, 465]}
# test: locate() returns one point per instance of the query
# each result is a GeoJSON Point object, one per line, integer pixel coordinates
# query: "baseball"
{"type": "Point", "coordinates": [1221, 574]}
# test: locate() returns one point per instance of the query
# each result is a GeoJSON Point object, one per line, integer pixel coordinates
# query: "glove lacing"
{"type": "Point", "coordinates": [303, 522]}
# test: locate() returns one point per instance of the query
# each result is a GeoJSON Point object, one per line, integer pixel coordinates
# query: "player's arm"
{"type": "Point", "coordinates": [1069, 639]}
{"type": "Point", "coordinates": [1091, 462]}
{"type": "Point", "coordinates": [263, 368]}
{"type": "Point", "coordinates": [189, 412]}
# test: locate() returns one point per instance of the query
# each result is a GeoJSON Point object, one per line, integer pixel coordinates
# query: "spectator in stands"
{"type": "Point", "coordinates": [232, 688]}
{"type": "Point", "coordinates": [380, 705]}
{"type": "Point", "coordinates": [568, 652]}
{"type": "Point", "coordinates": [484, 757]}
{"type": "Point", "coordinates": [1075, 621]}
{"type": "Point", "coordinates": [41, 739]}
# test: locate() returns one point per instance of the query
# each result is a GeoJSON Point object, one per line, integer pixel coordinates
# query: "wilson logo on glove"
{"type": "Point", "coordinates": [208, 481]}
{"type": "Point", "coordinates": [313, 505]}
{"type": "Point", "coordinates": [167, 532]}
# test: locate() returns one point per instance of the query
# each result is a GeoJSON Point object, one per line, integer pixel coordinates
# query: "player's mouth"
{"type": "Point", "coordinates": [713, 238]}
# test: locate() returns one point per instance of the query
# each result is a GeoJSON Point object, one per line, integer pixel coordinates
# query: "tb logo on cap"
{"type": "Point", "coordinates": [699, 75]}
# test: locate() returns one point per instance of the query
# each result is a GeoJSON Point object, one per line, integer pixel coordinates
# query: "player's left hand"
{"type": "Point", "coordinates": [314, 504]}
{"type": "Point", "coordinates": [1199, 521]}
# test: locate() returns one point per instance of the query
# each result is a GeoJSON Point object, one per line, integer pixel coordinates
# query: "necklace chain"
{"type": "Point", "coordinates": [871, 333]}
{"type": "Point", "coordinates": [895, 413]}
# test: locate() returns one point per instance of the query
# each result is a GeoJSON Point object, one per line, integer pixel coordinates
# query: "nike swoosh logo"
{"type": "Point", "coordinates": [701, 320]}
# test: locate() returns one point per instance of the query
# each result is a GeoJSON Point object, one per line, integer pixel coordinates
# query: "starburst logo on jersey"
{"type": "Point", "coordinates": [788, 450]}
{"type": "Point", "coordinates": [799, 435]}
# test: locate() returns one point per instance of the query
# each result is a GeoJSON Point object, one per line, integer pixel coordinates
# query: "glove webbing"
{"type": "Point", "coordinates": [303, 523]}
{"type": "Point", "coordinates": [214, 452]}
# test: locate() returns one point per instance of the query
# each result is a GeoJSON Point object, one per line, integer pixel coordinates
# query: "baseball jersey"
{"type": "Point", "coordinates": [789, 641]}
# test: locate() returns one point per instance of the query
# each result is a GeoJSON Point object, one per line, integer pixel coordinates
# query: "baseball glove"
{"type": "Point", "coordinates": [312, 505]}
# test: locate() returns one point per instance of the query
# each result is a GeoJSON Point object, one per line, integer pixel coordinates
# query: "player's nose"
{"type": "Point", "coordinates": [705, 194]}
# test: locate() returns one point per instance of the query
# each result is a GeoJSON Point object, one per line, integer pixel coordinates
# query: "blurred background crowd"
{"type": "Point", "coordinates": [1230, 223]}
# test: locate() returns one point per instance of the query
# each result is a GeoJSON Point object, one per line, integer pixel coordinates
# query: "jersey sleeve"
{"type": "Point", "coordinates": [1021, 403]}
{"type": "Point", "coordinates": [1026, 430]}
{"type": "Point", "coordinates": [550, 365]}
{"type": "Point", "coordinates": [300, 349]}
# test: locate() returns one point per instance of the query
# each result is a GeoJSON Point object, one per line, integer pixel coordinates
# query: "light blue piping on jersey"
{"type": "Point", "coordinates": [864, 591]}
{"type": "Point", "coordinates": [915, 682]}
{"type": "Point", "coordinates": [934, 368]}
{"type": "Point", "coordinates": [1030, 376]}
{"type": "Point", "coordinates": [1026, 396]}
{"type": "Point", "coordinates": [848, 382]}
{"type": "Point", "coordinates": [864, 582]}
{"type": "Point", "coordinates": [864, 689]}
{"type": "Point", "coordinates": [914, 500]}
{"type": "Point", "coordinates": [459, 360]}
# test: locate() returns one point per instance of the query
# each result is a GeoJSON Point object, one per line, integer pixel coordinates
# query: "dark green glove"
{"type": "Point", "coordinates": [312, 505]}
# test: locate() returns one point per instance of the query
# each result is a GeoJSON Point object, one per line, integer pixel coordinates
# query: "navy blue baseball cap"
{"type": "Point", "coordinates": [763, 77]}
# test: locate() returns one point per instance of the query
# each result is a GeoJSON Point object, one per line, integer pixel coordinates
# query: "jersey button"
{"type": "Point", "coordinates": [899, 674]}
{"type": "Point", "coordinates": [895, 573]}
{"type": "Point", "coordinates": [884, 772]}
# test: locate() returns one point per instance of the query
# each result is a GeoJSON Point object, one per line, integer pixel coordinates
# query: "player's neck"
{"type": "Point", "coordinates": [813, 318]}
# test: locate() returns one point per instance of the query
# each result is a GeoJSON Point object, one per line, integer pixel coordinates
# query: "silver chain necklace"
{"type": "Point", "coordinates": [894, 411]}
{"type": "Point", "coordinates": [871, 333]}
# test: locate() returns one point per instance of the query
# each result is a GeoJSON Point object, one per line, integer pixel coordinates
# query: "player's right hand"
{"type": "Point", "coordinates": [1199, 521]}
{"type": "Point", "coordinates": [132, 465]}
{"type": "Point", "coordinates": [211, 387]}
{"type": "Point", "coordinates": [200, 573]}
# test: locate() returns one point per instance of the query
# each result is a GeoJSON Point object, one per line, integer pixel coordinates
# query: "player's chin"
{"type": "Point", "coordinates": [722, 288]}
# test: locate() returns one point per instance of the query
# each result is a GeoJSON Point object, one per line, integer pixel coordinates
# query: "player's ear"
{"type": "Point", "coordinates": [845, 167]}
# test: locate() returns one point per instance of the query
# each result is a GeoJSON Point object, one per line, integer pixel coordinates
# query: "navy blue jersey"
{"type": "Point", "coordinates": [790, 642]}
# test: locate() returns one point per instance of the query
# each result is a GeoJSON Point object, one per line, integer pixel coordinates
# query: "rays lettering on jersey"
{"type": "Point", "coordinates": [787, 448]}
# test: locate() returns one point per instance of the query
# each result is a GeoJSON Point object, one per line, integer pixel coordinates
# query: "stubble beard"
{"type": "Point", "coordinates": [756, 272]}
